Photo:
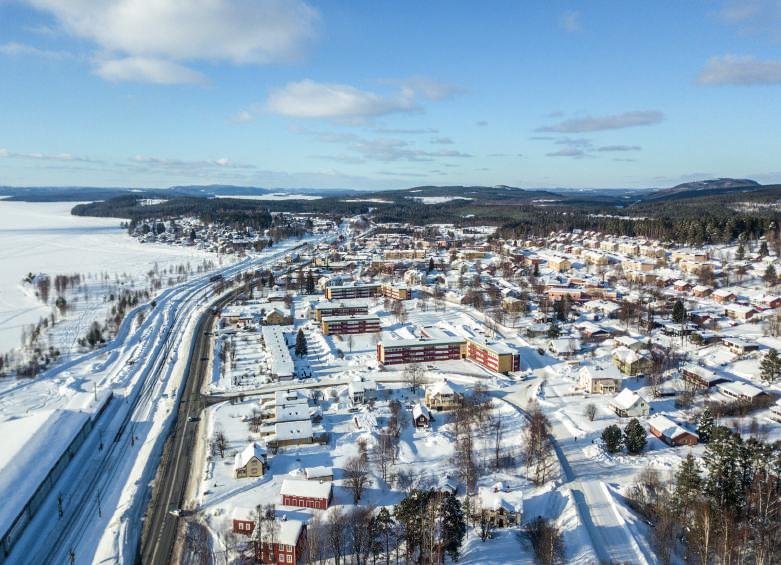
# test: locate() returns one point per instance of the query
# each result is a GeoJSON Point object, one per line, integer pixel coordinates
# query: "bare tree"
{"type": "Point", "coordinates": [384, 453]}
{"type": "Point", "coordinates": [538, 447]}
{"type": "Point", "coordinates": [359, 520]}
{"type": "Point", "coordinates": [356, 476]}
{"type": "Point", "coordinates": [335, 534]}
{"type": "Point", "coordinates": [413, 375]}
{"type": "Point", "coordinates": [497, 427]}
{"type": "Point", "coordinates": [591, 411]}
{"type": "Point", "coordinates": [220, 443]}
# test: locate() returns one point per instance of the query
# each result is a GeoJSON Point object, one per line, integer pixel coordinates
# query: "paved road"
{"type": "Point", "coordinates": [612, 541]}
{"type": "Point", "coordinates": [161, 526]}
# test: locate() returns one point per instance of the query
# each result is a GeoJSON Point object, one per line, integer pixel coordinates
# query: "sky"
{"type": "Point", "coordinates": [375, 95]}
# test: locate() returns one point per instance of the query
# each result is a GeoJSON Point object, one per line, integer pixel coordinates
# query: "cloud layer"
{"type": "Point", "coordinates": [600, 123]}
{"type": "Point", "coordinates": [740, 70]}
{"type": "Point", "coordinates": [150, 40]}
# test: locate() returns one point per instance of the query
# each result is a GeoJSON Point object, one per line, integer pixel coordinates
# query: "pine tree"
{"type": "Point", "coordinates": [271, 280]}
{"type": "Point", "coordinates": [430, 264]}
{"type": "Point", "coordinates": [705, 425]}
{"type": "Point", "coordinates": [770, 275]}
{"type": "Point", "coordinates": [453, 526]}
{"type": "Point", "coordinates": [679, 312]}
{"type": "Point", "coordinates": [688, 481]}
{"type": "Point", "coordinates": [383, 524]}
{"type": "Point", "coordinates": [740, 253]}
{"type": "Point", "coordinates": [724, 474]}
{"type": "Point", "coordinates": [310, 283]}
{"type": "Point", "coordinates": [634, 437]}
{"type": "Point", "coordinates": [301, 348]}
{"type": "Point", "coordinates": [769, 366]}
{"type": "Point", "coordinates": [763, 250]}
{"type": "Point", "coordinates": [553, 330]}
{"type": "Point", "coordinates": [611, 437]}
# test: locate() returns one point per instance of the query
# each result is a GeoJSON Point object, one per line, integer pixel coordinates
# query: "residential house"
{"type": "Point", "coordinates": [629, 404]}
{"type": "Point", "coordinates": [289, 545]}
{"type": "Point", "coordinates": [250, 461]}
{"type": "Point", "coordinates": [443, 395]}
{"type": "Point", "coordinates": [301, 493]}
{"type": "Point", "coordinates": [631, 362]}
{"type": "Point", "coordinates": [671, 433]}
{"type": "Point", "coordinates": [362, 390]}
{"type": "Point", "coordinates": [421, 417]}
{"type": "Point", "coordinates": [595, 380]}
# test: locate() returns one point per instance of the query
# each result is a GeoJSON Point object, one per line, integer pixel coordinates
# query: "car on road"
{"type": "Point", "coordinates": [193, 419]}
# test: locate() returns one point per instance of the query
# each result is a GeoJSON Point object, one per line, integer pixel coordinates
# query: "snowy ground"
{"type": "Point", "coordinates": [46, 238]}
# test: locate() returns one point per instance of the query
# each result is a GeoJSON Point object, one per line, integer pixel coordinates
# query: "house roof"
{"type": "Point", "coordinates": [302, 487]}
{"type": "Point", "coordinates": [667, 427]}
{"type": "Point", "coordinates": [298, 429]}
{"type": "Point", "coordinates": [289, 531]}
{"type": "Point", "coordinates": [245, 455]}
{"type": "Point", "coordinates": [626, 399]}
{"type": "Point", "coordinates": [419, 410]}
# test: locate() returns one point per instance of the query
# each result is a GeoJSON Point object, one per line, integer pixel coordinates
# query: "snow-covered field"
{"type": "Point", "coordinates": [46, 238]}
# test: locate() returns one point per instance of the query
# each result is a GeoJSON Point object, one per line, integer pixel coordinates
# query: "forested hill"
{"type": "Point", "coordinates": [693, 213]}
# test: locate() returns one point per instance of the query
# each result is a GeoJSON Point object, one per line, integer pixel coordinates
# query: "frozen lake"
{"type": "Point", "coordinates": [44, 237]}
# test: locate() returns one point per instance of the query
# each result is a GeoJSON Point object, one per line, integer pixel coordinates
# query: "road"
{"type": "Point", "coordinates": [611, 538]}
{"type": "Point", "coordinates": [161, 526]}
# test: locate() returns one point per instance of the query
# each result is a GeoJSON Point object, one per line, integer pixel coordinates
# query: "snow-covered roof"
{"type": "Point", "coordinates": [626, 399]}
{"type": "Point", "coordinates": [290, 531]}
{"type": "Point", "coordinates": [245, 455]}
{"type": "Point", "coordinates": [292, 412]}
{"type": "Point", "coordinates": [421, 342]}
{"type": "Point", "coordinates": [626, 355]}
{"type": "Point", "coordinates": [738, 388]}
{"type": "Point", "coordinates": [319, 472]}
{"type": "Point", "coordinates": [301, 487]}
{"type": "Point", "coordinates": [667, 427]}
{"type": "Point", "coordinates": [281, 363]}
{"type": "Point", "coordinates": [703, 372]}
{"type": "Point", "coordinates": [509, 501]}
{"type": "Point", "coordinates": [297, 429]}
{"type": "Point", "coordinates": [419, 409]}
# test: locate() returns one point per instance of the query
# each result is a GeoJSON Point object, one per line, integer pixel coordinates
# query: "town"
{"type": "Point", "coordinates": [407, 368]}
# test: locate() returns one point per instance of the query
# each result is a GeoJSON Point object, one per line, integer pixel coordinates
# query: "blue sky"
{"type": "Point", "coordinates": [293, 93]}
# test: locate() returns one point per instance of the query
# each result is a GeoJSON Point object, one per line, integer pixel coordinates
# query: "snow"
{"type": "Point", "coordinates": [45, 237]}
{"type": "Point", "coordinates": [439, 199]}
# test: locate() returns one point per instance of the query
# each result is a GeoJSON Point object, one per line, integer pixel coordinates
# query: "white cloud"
{"type": "Point", "coordinates": [142, 69]}
{"type": "Point", "coordinates": [14, 49]}
{"type": "Point", "coordinates": [441, 141]}
{"type": "Point", "coordinates": [570, 21]}
{"type": "Point", "coordinates": [174, 31]}
{"type": "Point", "coordinates": [609, 148]}
{"type": "Point", "coordinates": [740, 70]}
{"type": "Point", "coordinates": [38, 156]}
{"type": "Point", "coordinates": [568, 152]}
{"type": "Point", "coordinates": [599, 123]}
{"type": "Point", "coordinates": [310, 99]}
{"type": "Point", "coordinates": [426, 88]}
{"type": "Point", "coordinates": [754, 17]}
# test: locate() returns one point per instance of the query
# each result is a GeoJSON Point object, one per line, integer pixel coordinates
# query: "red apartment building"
{"type": "Point", "coordinates": [393, 352]}
{"type": "Point", "coordinates": [342, 325]}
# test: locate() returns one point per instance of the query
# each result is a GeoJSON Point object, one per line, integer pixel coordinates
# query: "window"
{"type": "Point", "coordinates": [241, 525]}
{"type": "Point", "coordinates": [289, 558]}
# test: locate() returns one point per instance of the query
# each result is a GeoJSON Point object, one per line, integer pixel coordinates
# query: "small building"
{"type": "Point", "coordinates": [250, 462]}
{"type": "Point", "coordinates": [700, 377]}
{"type": "Point", "coordinates": [243, 521]}
{"type": "Point", "coordinates": [421, 417]}
{"type": "Point", "coordinates": [739, 312]}
{"type": "Point", "coordinates": [599, 382]}
{"type": "Point", "coordinates": [396, 292]}
{"type": "Point", "coordinates": [739, 346]}
{"type": "Point", "coordinates": [631, 362]}
{"type": "Point", "coordinates": [301, 493]}
{"type": "Point", "coordinates": [723, 295]}
{"type": "Point", "coordinates": [775, 411]}
{"type": "Point", "coordinates": [291, 433]}
{"type": "Point", "coordinates": [443, 395]}
{"type": "Point", "coordinates": [362, 390]}
{"type": "Point", "coordinates": [319, 473]}
{"type": "Point", "coordinates": [289, 545]}
{"type": "Point", "coordinates": [499, 508]}
{"type": "Point", "coordinates": [629, 404]}
{"type": "Point", "coordinates": [564, 346]}
{"type": "Point", "coordinates": [671, 433]}
{"type": "Point", "coordinates": [682, 286]}
{"type": "Point", "coordinates": [740, 391]}
{"type": "Point", "coordinates": [701, 291]}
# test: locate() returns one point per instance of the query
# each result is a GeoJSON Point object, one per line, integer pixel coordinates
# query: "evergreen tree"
{"type": "Point", "coordinates": [688, 481]}
{"type": "Point", "coordinates": [740, 253]}
{"type": "Point", "coordinates": [634, 437]}
{"type": "Point", "coordinates": [724, 474]}
{"type": "Point", "coordinates": [679, 312]}
{"type": "Point", "coordinates": [310, 283]}
{"type": "Point", "coordinates": [382, 528]}
{"type": "Point", "coordinates": [536, 271]}
{"type": "Point", "coordinates": [770, 366]}
{"type": "Point", "coordinates": [763, 250]}
{"type": "Point", "coordinates": [553, 330]}
{"type": "Point", "coordinates": [770, 275]}
{"type": "Point", "coordinates": [301, 348]}
{"type": "Point", "coordinates": [430, 264]}
{"type": "Point", "coordinates": [611, 437]}
{"type": "Point", "coordinates": [705, 425]}
{"type": "Point", "coordinates": [453, 526]}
